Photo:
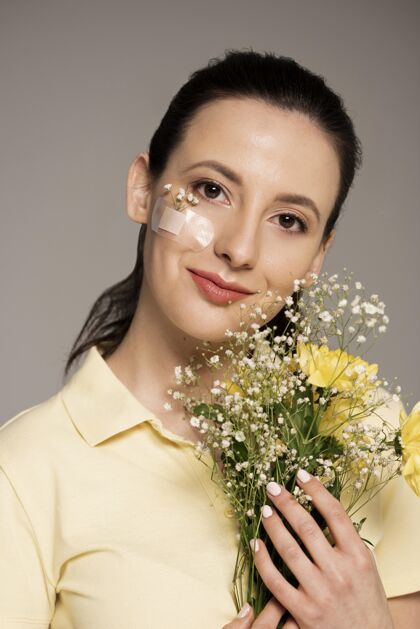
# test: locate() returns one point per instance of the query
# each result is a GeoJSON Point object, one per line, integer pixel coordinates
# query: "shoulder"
{"type": "Point", "coordinates": [36, 436]}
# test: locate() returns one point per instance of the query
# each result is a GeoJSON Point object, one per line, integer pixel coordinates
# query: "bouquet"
{"type": "Point", "coordinates": [297, 398]}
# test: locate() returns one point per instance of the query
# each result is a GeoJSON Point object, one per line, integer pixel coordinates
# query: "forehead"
{"type": "Point", "coordinates": [270, 148]}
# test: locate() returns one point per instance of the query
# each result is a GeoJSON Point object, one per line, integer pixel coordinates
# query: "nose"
{"type": "Point", "coordinates": [237, 239]}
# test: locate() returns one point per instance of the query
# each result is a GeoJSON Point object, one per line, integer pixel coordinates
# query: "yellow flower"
{"type": "Point", "coordinates": [338, 414]}
{"type": "Point", "coordinates": [334, 368]}
{"type": "Point", "coordinates": [232, 388]}
{"type": "Point", "coordinates": [410, 436]}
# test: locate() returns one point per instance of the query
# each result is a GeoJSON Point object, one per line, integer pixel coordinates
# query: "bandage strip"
{"type": "Point", "coordinates": [185, 226]}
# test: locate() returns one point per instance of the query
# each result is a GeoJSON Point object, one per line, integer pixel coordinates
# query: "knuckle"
{"type": "Point", "coordinates": [291, 552]}
{"type": "Point", "coordinates": [312, 614]}
{"type": "Point", "coordinates": [307, 529]}
{"type": "Point", "coordinates": [343, 582]}
{"type": "Point", "coordinates": [363, 560]}
{"type": "Point", "coordinates": [338, 514]}
{"type": "Point", "coordinates": [276, 586]}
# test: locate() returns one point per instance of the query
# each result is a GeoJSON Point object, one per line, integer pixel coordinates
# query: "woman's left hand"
{"type": "Point", "coordinates": [340, 587]}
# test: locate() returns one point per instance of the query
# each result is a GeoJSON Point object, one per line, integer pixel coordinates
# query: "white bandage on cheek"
{"type": "Point", "coordinates": [185, 226]}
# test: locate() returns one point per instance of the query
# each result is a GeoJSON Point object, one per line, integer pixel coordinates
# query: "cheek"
{"type": "Point", "coordinates": [292, 261]}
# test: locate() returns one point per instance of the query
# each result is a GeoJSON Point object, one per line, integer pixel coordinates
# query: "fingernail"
{"type": "Point", "coordinates": [303, 476]}
{"type": "Point", "coordinates": [254, 545]}
{"type": "Point", "coordinates": [267, 511]}
{"type": "Point", "coordinates": [273, 488]}
{"type": "Point", "coordinates": [244, 611]}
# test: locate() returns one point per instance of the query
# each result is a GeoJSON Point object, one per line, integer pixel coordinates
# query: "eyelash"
{"type": "Point", "coordinates": [197, 184]}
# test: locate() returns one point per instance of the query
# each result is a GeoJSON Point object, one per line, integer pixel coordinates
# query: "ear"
{"type": "Point", "coordinates": [318, 260]}
{"type": "Point", "coordinates": [139, 189]}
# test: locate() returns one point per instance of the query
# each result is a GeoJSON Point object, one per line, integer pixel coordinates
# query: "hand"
{"type": "Point", "coordinates": [341, 586]}
{"type": "Point", "coordinates": [268, 619]}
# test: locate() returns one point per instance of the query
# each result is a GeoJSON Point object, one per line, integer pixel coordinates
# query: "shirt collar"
{"type": "Point", "coordinates": [100, 405]}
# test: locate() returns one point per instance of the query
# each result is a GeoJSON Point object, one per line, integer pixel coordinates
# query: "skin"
{"type": "Point", "coordinates": [273, 152]}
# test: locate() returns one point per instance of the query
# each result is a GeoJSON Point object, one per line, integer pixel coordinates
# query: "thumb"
{"type": "Point", "coordinates": [243, 620]}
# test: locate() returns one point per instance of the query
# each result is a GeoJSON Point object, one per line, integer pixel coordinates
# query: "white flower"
{"type": "Point", "coordinates": [361, 338]}
{"type": "Point", "coordinates": [358, 285]}
{"type": "Point", "coordinates": [194, 421]}
{"type": "Point", "coordinates": [239, 436]}
{"type": "Point", "coordinates": [325, 316]}
{"type": "Point", "coordinates": [214, 359]}
{"type": "Point", "coordinates": [167, 406]}
{"type": "Point", "coordinates": [369, 308]}
{"type": "Point", "coordinates": [342, 303]}
{"type": "Point", "coordinates": [167, 186]}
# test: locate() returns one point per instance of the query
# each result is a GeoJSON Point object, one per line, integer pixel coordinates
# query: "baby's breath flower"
{"type": "Point", "coordinates": [279, 406]}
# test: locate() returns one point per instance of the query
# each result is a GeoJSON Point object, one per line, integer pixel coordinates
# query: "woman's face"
{"type": "Point", "coordinates": [265, 243]}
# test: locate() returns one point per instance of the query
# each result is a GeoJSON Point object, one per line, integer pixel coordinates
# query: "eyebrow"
{"type": "Point", "coordinates": [286, 197]}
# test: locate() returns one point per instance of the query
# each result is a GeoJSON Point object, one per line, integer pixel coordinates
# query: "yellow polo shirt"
{"type": "Point", "coordinates": [109, 521]}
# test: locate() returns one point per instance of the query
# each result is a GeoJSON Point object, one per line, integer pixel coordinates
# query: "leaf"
{"type": "Point", "coordinates": [210, 411]}
{"type": "Point", "coordinates": [240, 450]}
{"type": "Point", "coordinates": [397, 444]}
{"type": "Point", "coordinates": [367, 541]}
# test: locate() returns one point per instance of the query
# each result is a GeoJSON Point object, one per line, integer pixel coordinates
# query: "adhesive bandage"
{"type": "Point", "coordinates": [187, 227]}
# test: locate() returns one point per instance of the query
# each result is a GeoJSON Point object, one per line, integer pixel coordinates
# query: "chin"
{"type": "Point", "coordinates": [202, 327]}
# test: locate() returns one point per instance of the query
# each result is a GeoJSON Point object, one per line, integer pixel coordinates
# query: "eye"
{"type": "Point", "coordinates": [211, 188]}
{"type": "Point", "coordinates": [289, 219]}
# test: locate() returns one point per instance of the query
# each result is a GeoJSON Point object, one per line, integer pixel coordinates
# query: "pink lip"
{"type": "Point", "coordinates": [216, 279]}
{"type": "Point", "coordinates": [215, 293]}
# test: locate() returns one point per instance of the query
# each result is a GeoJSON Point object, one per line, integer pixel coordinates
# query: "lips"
{"type": "Point", "coordinates": [214, 293]}
{"type": "Point", "coordinates": [216, 279]}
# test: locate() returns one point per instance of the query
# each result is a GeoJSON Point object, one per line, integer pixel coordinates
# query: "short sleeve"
{"type": "Point", "coordinates": [397, 552]}
{"type": "Point", "coordinates": [26, 596]}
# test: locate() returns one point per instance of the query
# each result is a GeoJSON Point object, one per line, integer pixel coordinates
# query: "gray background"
{"type": "Point", "coordinates": [83, 87]}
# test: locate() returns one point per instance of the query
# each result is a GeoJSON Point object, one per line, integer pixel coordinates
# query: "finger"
{"type": "Point", "coordinates": [244, 619]}
{"type": "Point", "coordinates": [286, 545]}
{"type": "Point", "coordinates": [291, 624]}
{"type": "Point", "coordinates": [333, 512]}
{"type": "Point", "coordinates": [287, 595]}
{"type": "Point", "coordinates": [302, 523]}
{"type": "Point", "coordinates": [270, 615]}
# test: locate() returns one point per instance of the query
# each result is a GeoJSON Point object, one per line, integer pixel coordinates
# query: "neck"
{"type": "Point", "coordinates": [146, 359]}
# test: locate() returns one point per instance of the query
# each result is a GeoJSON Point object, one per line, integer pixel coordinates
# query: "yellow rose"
{"type": "Point", "coordinates": [333, 368]}
{"type": "Point", "coordinates": [410, 436]}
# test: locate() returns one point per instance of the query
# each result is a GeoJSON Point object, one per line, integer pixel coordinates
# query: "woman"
{"type": "Point", "coordinates": [108, 519]}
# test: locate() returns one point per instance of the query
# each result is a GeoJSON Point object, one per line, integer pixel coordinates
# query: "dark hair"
{"type": "Point", "coordinates": [269, 78]}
